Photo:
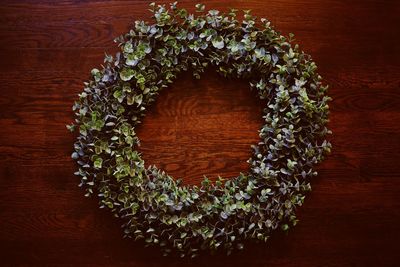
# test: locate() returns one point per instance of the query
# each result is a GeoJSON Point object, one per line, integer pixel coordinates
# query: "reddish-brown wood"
{"type": "Point", "coordinates": [47, 48]}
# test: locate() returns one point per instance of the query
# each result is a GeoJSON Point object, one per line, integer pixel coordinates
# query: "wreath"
{"type": "Point", "coordinates": [222, 214]}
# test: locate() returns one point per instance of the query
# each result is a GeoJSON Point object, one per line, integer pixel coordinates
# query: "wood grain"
{"type": "Point", "coordinates": [47, 48]}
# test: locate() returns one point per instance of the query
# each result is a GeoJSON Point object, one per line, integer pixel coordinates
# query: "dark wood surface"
{"type": "Point", "coordinates": [352, 216]}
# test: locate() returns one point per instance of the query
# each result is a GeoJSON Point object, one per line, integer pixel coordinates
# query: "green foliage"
{"type": "Point", "coordinates": [152, 205]}
{"type": "Point", "coordinates": [126, 74]}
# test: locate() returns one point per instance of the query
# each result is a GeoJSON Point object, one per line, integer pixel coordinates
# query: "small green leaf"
{"type": "Point", "coordinates": [139, 99]}
{"type": "Point", "coordinates": [130, 99]}
{"type": "Point", "coordinates": [119, 95]}
{"type": "Point", "coordinates": [71, 127]}
{"type": "Point", "coordinates": [98, 162]}
{"type": "Point", "coordinates": [213, 12]}
{"type": "Point", "coordinates": [126, 74]}
{"type": "Point", "coordinates": [128, 47]}
{"type": "Point", "coordinates": [218, 42]}
{"type": "Point", "coordinates": [131, 60]}
{"type": "Point", "coordinates": [285, 227]}
{"type": "Point", "coordinates": [96, 74]}
{"type": "Point", "coordinates": [200, 7]}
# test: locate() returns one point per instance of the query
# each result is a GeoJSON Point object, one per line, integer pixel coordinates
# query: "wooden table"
{"type": "Point", "coordinates": [47, 49]}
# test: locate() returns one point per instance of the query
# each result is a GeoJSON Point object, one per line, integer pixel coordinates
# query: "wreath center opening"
{"type": "Point", "coordinates": [202, 127]}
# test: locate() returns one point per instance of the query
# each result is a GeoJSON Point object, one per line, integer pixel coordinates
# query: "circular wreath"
{"type": "Point", "coordinates": [221, 214]}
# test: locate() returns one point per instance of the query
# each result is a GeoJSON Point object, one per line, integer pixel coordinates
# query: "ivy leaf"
{"type": "Point", "coordinates": [119, 95]}
{"type": "Point", "coordinates": [200, 7]}
{"type": "Point", "coordinates": [213, 12]}
{"type": "Point", "coordinates": [98, 162]}
{"type": "Point", "coordinates": [96, 74]}
{"type": "Point", "coordinates": [131, 60]}
{"type": "Point", "coordinates": [285, 227]}
{"type": "Point", "coordinates": [71, 127]}
{"type": "Point", "coordinates": [130, 99]}
{"type": "Point", "coordinates": [128, 47]}
{"type": "Point", "coordinates": [126, 74]}
{"type": "Point", "coordinates": [139, 99]}
{"type": "Point", "coordinates": [275, 58]}
{"type": "Point", "coordinates": [223, 215]}
{"type": "Point", "coordinates": [259, 52]}
{"type": "Point", "coordinates": [218, 42]}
